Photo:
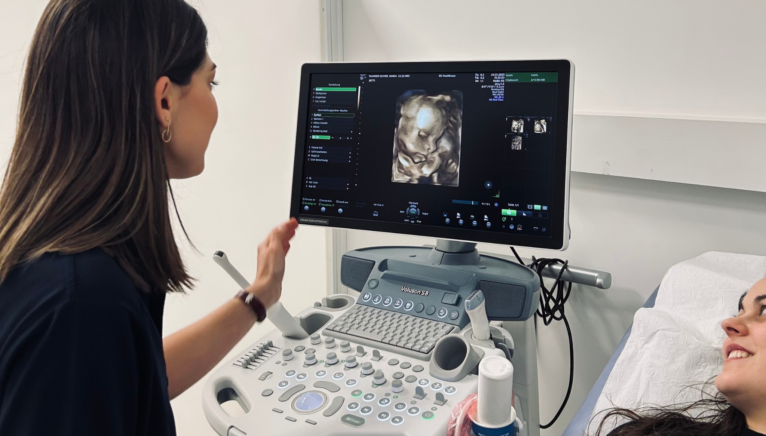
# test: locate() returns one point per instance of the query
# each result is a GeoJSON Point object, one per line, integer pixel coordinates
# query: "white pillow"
{"type": "Point", "coordinates": [677, 343]}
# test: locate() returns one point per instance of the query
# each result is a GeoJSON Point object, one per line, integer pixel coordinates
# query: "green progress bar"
{"type": "Point", "coordinates": [320, 136]}
{"type": "Point", "coordinates": [337, 89]}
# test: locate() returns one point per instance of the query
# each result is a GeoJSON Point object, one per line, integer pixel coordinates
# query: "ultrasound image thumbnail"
{"type": "Point", "coordinates": [517, 126]}
{"type": "Point", "coordinates": [516, 142]}
{"type": "Point", "coordinates": [427, 135]}
{"type": "Point", "coordinates": [541, 126]}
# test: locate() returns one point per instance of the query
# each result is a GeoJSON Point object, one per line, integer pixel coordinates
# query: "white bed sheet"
{"type": "Point", "coordinates": [678, 342]}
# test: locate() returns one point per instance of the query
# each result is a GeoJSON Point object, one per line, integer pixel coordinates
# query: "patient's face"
{"type": "Point", "coordinates": [743, 378]}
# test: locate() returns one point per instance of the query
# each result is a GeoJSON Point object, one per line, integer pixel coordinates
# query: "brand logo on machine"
{"type": "Point", "coordinates": [409, 290]}
{"type": "Point", "coordinates": [317, 221]}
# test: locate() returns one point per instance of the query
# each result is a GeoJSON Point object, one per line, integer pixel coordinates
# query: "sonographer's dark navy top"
{"type": "Point", "coordinates": [81, 351]}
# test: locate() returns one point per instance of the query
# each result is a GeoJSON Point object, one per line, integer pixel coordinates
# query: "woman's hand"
{"type": "Point", "coordinates": [271, 263]}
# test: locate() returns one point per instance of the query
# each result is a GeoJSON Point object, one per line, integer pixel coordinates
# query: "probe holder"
{"type": "Point", "coordinates": [454, 358]}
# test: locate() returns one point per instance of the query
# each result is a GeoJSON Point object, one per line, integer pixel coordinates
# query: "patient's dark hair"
{"type": "Point", "coordinates": [710, 416]}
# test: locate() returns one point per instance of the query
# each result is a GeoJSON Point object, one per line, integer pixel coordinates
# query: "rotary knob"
{"type": "Point", "coordinates": [329, 342]}
{"type": "Point", "coordinates": [315, 339]}
{"type": "Point", "coordinates": [310, 358]}
{"type": "Point", "coordinates": [287, 354]}
{"type": "Point", "coordinates": [345, 346]}
{"type": "Point", "coordinates": [332, 359]}
{"type": "Point", "coordinates": [351, 362]}
{"type": "Point", "coordinates": [379, 378]}
{"type": "Point", "coordinates": [396, 386]}
{"type": "Point", "coordinates": [367, 368]}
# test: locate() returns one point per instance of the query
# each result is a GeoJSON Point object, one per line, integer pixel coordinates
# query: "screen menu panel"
{"type": "Point", "coordinates": [463, 150]}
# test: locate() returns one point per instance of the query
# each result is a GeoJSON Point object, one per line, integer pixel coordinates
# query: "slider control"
{"type": "Point", "coordinates": [440, 399]}
{"type": "Point", "coordinates": [419, 393]}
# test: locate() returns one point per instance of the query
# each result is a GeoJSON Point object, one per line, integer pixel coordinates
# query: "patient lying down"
{"type": "Point", "coordinates": [739, 409]}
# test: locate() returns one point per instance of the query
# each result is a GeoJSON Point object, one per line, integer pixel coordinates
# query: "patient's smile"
{"type": "Point", "coordinates": [738, 354]}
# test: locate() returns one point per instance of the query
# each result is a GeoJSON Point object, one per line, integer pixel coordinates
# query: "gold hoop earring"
{"type": "Point", "coordinates": [167, 135]}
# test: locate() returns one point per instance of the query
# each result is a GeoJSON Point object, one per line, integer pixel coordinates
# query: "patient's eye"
{"type": "Point", "coordinates": [763, 307]}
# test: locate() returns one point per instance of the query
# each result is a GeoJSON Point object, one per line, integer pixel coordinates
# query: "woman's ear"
{"type": "Point", "coordinates": [163, 100]}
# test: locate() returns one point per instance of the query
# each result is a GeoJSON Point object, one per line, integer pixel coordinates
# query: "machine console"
{"type": "Point", "coordinates": [329, 386]}
{"type": "Point", "coordinates": [386, 362]}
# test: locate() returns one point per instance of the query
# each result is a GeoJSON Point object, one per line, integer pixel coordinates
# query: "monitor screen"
{"type": "Point", "coordinates": [473, 151]}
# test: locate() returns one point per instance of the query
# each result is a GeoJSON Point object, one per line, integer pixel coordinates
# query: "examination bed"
{"type": "Point", "coordinates": [675, 339]}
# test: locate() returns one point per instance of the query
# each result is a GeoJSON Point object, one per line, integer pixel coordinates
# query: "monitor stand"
{"type": "Point", "coordinates": [448, 252]}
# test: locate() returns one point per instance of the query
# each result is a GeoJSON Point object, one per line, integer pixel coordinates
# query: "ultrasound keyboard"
{"type": "Point", "coordinates": [406, 334]}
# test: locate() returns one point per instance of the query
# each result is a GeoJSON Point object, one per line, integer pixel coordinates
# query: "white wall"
{"type": "Point", "coordinates": [645, 59]}
{"type": "Point", "coordinates": [244, 191]}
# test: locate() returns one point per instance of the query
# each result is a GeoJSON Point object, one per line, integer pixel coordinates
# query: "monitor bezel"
{"type": "Point", "coordinates": [559, 238]}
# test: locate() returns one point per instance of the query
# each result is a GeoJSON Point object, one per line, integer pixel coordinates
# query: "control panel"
{"type": "Point", "coordinates": [329, 386]}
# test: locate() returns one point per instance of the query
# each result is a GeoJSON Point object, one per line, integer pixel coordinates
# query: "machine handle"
{"type": "Point", "coordinates": [216, 416]}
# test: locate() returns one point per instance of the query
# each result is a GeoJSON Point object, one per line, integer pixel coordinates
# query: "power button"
{"type": "Point", "coordinates": [372, 284]}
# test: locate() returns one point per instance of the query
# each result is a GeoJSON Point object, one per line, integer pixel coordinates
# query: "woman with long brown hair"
{"type": "Point", "coordinates": [739, 407]}
{"type": "Point", "coordinates": [116, 101]}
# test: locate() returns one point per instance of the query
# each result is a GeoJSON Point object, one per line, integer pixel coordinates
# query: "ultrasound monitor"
{"type": "Point", "coordinates": [467, 151]}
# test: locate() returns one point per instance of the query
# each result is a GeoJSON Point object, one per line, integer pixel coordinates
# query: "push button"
{"type": "Point", "coordinates": [430, 310]}
{"type": "Point", "coordinates": [419, 307]}
{"type": "Point", "coordinates": [292, 391]}
{"type": "Point", "coordinates": [334, 407]}
{"type": "Point", "coordinates": [450, 298]}
{"type": "Point", "coordinates": [397, 420]}
{"type": "Point", "coordinates": [332, 387]}
{"type": "Point", "coordinates": [442, 313]}
{"type": "Point", "coordinates": [352, 420]}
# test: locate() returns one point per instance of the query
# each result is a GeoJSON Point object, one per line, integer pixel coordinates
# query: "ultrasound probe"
{"type": "Point", "coordinates": [475, 308]}
{"type": "Point", "coordinates": [277, 313]}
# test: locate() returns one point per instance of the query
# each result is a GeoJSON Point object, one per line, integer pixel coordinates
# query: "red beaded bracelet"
{"type": "Point", "coordinates": [254, 303]}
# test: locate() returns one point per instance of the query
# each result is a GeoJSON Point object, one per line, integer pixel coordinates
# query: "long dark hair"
{"type": "Point", "coordinates": [712, 415]}
{"type": "Point", "coordinates": [87, 168]}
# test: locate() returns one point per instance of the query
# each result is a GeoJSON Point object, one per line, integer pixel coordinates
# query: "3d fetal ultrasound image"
{"type": "Point", "coordinates": [427, 136]}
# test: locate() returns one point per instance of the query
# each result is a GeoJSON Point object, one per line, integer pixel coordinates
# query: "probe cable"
{"type": "Point", "coordinates": [552, 309]}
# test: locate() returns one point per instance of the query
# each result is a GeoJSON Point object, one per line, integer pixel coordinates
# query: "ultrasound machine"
{"type": "Point", "coordinates": [464, 152]}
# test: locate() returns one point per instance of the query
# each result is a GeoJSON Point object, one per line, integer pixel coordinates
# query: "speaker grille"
{"type": "Point", "coordinates": [354, 271]}
{"type": "Point", "coordinates": [503, 301]}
